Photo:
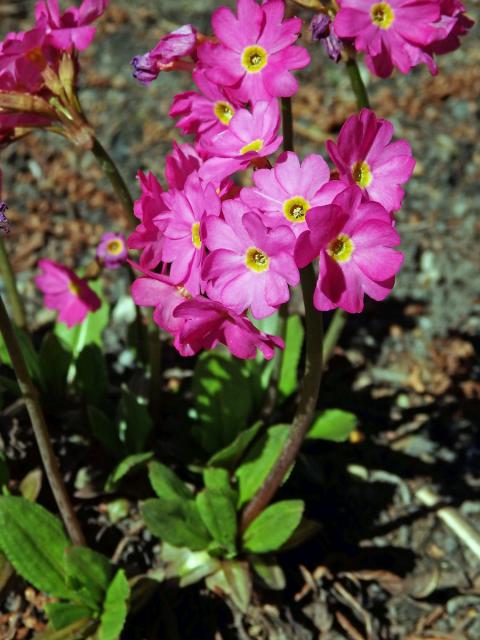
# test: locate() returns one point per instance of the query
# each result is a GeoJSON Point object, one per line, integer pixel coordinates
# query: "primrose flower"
{"type": "Point", "coordinates": [206, 323]}
{"type": "Point", "coordinates": [23, 58]}
{"type": "Point", "coordinates": [365, 156]}
{"type": "Point", "coordinates": [354, 242]}
{"type": "Point", "coordinates": [112, 250]}
{"type": "Point", "coordinates": [151, 209]}
{"type": "Point", "coordinates": [251, 135]}
{"type": "Point", "coordinates": [391, 33]}
{"type": "Point", "coordinates": [166, 55]}
{"type": "Point", "coordinates": [70, 28]}
{"type": "Point", "coordinates": [180, 163]}
{"type": "Point", "coordinates": [322, 31]}
{"type": "Point", "coordinates": [64, 291]}
{"type": "Point", "coordinates": [184, 235]}
{"type": "Point", "coordinates": [205, 114]}
{"type": "Point", "coordinates": [250, 266]}
{"type": "Point", "coordinates": [285, 193]}
{"type": "Point", "coordinates": [255, 55]}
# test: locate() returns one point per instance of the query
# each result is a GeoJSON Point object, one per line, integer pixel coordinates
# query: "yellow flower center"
{"type": "Point", "coordinates": [382, 15]}
{"type": "Point", "coordinates": [341, 248]}
{"type": "Point", "coordinates": [224, 112]}
{"type": "Point", "coordinates": [74, 288]}
{"type": "Point", "coordinates": [114, 247]}
{"type": "Point", "coordinates": [197, 243]}
{"type": "Point", "coordinates": [361, 174]}
{"type": "Point", "coordinates": [255, 145]}
{"type": "Point", "coordinates": [256, 260]}
{"type": "Point", "coordinates": [254, 58]}
{"type": "Point", "coordinates": [295, 209]}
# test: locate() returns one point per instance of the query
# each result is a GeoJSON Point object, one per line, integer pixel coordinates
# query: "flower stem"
{"type": "Point", "coordinates": [357, 84]}
{"type": "Point", "coordinates": [110, 169]}
{"type": "Point", "coordinates": [8, 277]}
{"type": "Point", "coordinates": [40, 429]}
{"type": "Point", "coordinates": [287, 124]}
{"type": "Point", "coordinates": [306, 406]}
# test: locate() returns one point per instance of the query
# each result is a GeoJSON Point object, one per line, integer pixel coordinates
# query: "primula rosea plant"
{"type": "Point", "coordinates": [215, 250]}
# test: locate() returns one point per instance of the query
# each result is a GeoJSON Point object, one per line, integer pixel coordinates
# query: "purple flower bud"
{"type": "Point", "coordinates": [4, 224]}
{"type": "Point", "coordinates": [145, 70]}
{"type": "Point", "coordinates": [112, 250]}
{"type": "Point", "coordinates": [322, 31]}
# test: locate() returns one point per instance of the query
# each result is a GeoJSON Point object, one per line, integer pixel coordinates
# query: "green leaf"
{"type": "Point", "coordinates": [223, 399]}
{"type": "Point", "coordinates": [232, 580]}
{"type": "Point", "coordinates": [166, 483]}
{"type": "Point", "coordinates": [93, 387]}
{"type": "Point", "coordinates": [332, 424]}
{"type": "Point", "coordinates": [126, 466]}
{"type": "Point", "coordinates": [135, 422]}
{"type": "Point", "coordinates": [54, 361]}
{"type": "Point", "coordinates": [115, 608]}
{"type": "Point", "coordinates": [269, 571]}
{"type": "Point", "coordinates": [88, 332]}
{"type": "Point", "coordinates": [28, 351]}
{"type": "Point", "coordinates": [177, 522]}
{"type": "Point", "coordinates": [218, 480]}
{"type": "Point", "coordinates": [291, 356]}
{"type": "Point", "coordinates": [105, 431]}
{"type": "Point", "coordinates": [34, 542]}
{"type": "Point", "coordinates": [89, 573]}
{"type": "Point", "coordinates": [229, 456]}
{"type": "Point", "coordinates": [259, 461]}
{"type": "Point", "coordinates": [188, 566]}
{"type": "Point", "coordinates": [273, 527]}
{"type": "Point", "coordinates": [31, 485]}
{"type": "Point", "coordinates": [217, 510]}
{"type": "Point", "coordinates": [63, 614]}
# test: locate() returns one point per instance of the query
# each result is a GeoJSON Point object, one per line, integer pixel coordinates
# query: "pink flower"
{"type": "Point", "coordinates": [285, 193]}
{"type": "Point", "coordinates": [365, 156]}
{"type": "Point", "coordinates": [183, 243]}
{"type": "Point", "coordinates": [205, 114]}
{"type": "Point", "coordinates": [112, 250]}
{"type": "Point", "coordinates": [65, 291]}
{"type": "Point", "coordinates": [70, 28]}
{"type": "Point", "coordinates": [354, 242]}
{"type": "Point", "coordinates": [205, 323]}
{"type": "Point", "coordinates": [151, 209]}
{"type": "Point", "coordinates": [250, 266]}
{"type": "Point", "coordinates": [249, 136]}
{"type": "Point", "coordinates": [23, 58]}
{"type": "Point", "coordinates": [255, 54]}
{"type": "Point", "coordinates": [166, 55]}
{"type": "Point", "coordinates": [391, 33]}
{"type": "Point", "coordinates": [158, 291]}
{"type": "Point", "coordinates": [180, 163]}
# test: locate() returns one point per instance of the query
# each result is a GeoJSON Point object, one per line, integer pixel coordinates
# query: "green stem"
{"type": "Point", "coordinates": [110, 169]}
{"type": "Point", "coordinates": [306, 406]}
{"type": "Point", "coordinates": [357, 84]}
{"type": "Point", "coordinates": [40, 429]}
{"type": "Point", "coordinates": [8, 276]}
{"type": "Point", "coordinates": [287, 124]}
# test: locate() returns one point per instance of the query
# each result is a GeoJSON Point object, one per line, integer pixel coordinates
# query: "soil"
{"type": "Point", "coordinates": [383, 566]}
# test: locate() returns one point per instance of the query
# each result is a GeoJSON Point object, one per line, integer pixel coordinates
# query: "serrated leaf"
{"type": "Point", "coordinates": [136, 420]}
{"type": "Point", "coordinates": [273, 527]}
{"type": "Point", "coordinates": [93, 387]}
{"type": "Point", "coordinates": [54, 360]}
{"type": "Point", "coordinates": [125, 467]}
{"type": "Point", "coordinates": [288, 380]}
{"type": "Point", "coordinates": [105, 431]}
{"type": "Point", "coordinates": [88, 332]}
{"type": "Point", "coordinates": [63, 614]}
{"type": "Point", "coordinates": [259, 461]}
{"type": "Point", "coordinates": [332, 424]}
{"type": "Point", "coordinates": [177, 522]}
{"type": "Point", "coordinates": [232, 580]}
{"type": "Point", "coordinates": [166, 483]}
{"type": "Point", "coordinates": [31, 485]}
{"type": "Point", "coordinates": [88, 572]}
{"type": "Point", "coordinates": [229, 456]}
{"type": "Point", "coordinates": [115, 608]}
{"type": "Point", "coordinates": [217, 511]}
{"type": "Point", "coordinates": [34, 542]}
{"type": "Point", "coordinates": [223, 399]}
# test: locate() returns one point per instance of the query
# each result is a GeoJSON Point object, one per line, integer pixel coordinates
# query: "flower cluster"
{"type": "Point", "coordinates": [213, 255]}
{"type": "Point", "coordinates": [401, 33]}
{"type": "Point", "coordinates": [38, 70]}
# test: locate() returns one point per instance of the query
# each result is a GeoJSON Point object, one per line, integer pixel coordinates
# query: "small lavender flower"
{"type": "Point", "coordinates": [4, 224]}
{"type": "Point", "coordinates": [112, 250]}
{"type": "Point", "coordinates": [322, 31]}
